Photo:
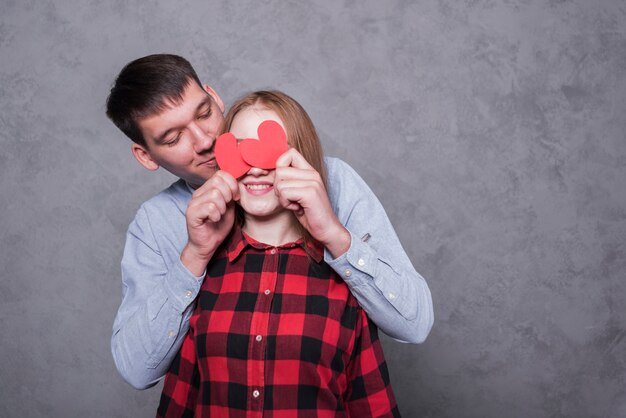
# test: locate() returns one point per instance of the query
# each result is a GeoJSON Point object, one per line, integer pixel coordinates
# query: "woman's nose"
{"type": "Point", "coordinates": [257, 172]}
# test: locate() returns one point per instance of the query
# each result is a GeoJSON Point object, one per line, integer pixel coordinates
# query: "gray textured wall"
{"type": "Point", "coordinates": [493, 132]}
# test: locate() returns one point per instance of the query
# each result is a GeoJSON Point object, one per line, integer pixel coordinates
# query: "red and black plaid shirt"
{"type": "Point", "coordinates": [276, 333]}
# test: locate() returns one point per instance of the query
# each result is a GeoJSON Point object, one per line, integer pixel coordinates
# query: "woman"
{"type": "Point", "coordinates": [276, 331]}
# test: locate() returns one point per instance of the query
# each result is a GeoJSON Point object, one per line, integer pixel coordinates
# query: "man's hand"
{"type": "Point", "coordinates": [299, 188]}
{"type": "Point", "coordinates": [210, 217]}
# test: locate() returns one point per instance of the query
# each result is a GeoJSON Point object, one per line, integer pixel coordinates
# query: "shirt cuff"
{"type": "Point", "coordinates": [361, 266]}
{"type": "Point", "coordinates": [183, 286]}
{"type": "Point", "coordinates": [356, 266]}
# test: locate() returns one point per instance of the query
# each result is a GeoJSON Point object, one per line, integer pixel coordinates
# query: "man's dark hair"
{"type": "Point", "coordinates": [145, 87]}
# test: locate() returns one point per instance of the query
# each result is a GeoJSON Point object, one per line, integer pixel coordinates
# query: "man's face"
{"type": "Point", "coordinates": [181, 138]}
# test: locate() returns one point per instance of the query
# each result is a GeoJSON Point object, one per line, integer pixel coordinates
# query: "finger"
{"type": "Point", "coordinates": [297, 198]}
{"type": "Point", "coordinates": [218, 200]}
{"type": "Point", "coordinates": [292, 158]}
{"type": "Point", "coordinates": [215, 214]}
{"type": "Point", "coordinates": [305, 196]}
{"type": "Point", "coordinates": [224, 190]}
{"type": "Point", "coordinates": [219, 196]}
{"type": "Point", "coordinates": [292, 206]}
{"type": "Point", "coordinates": [213, 198]}
{"type": "Point", "coordinates": [301, 190]}
{"type": "Point", "coordinates": [211, 210]}
{"type": "Point", "coordinates": [291, 173]}
{"type": "Point", "coordinates": [199, 214]}
{"type": "Point", "coordinates": [231, 182]}
{"type": "Point", "coordinates": [297, 182]}
{"type": "Point", "coordinates": [219, 178]}
{"type": "Point", "coordinates": [206, 186]}
{"type": "Point", "coordinates": [291, 203]}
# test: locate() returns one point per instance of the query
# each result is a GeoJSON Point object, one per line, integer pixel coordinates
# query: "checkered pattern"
{"type": "Point", "coordinates": [276, 333]}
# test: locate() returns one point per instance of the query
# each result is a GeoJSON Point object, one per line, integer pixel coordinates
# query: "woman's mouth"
{"type": "Point", "coordinates": [258, 188]}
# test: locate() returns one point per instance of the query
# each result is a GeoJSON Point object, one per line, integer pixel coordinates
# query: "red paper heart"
{"type": "Point", "coordinates": [272, 144]}
{"type": "Point", "coordinates": [228, 156]}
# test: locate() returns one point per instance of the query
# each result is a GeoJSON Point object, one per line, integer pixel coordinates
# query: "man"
{"type": "Point", "coordinates": [173, 120]}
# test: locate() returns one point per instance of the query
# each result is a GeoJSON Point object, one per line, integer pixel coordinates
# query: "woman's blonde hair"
{"type": "Point", "coordinates": [299, 128]}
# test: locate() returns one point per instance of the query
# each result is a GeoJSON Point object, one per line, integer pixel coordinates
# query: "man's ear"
{"type": "Point", "coordinates": [143, 157]}
{"type": "Point", "coordinates": [215, 96]}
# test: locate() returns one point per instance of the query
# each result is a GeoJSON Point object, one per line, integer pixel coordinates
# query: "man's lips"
{"type": "Point", "coordinates": [210, 162]}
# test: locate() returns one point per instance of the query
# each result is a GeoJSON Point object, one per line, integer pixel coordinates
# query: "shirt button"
{"type": "Point", "coordinates": [188, 294]}
{"type": "Point", "coordinates": [361, 262]}
{"type": "Point", "coordinates": [392, 296]}
{"type": "Point", "coordinates": [256, 393]}
{"type": "Point", "coordinates": [348, 272]}
{"type": "Point", "coordinates": [170, 334]}
{"type": "Point", "coordinates": [267, 291]}
{"type": "Point", "coordinates": [259, 338]}
{"type": "Point", "coordinates": [273, 251]}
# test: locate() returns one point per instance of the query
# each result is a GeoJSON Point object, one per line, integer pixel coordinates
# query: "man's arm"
{"type": "Point", "coordinates": [168, 246]}
{"type": "Point", "coordinates": [360, 243]}
{"type": "Point", "coordinates": [157, 296]}
{"type": "Point", "coordinates": [376, 267]}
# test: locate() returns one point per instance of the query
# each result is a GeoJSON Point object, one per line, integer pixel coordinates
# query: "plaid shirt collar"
{"type": "Point", "coordinates": [240, 241]}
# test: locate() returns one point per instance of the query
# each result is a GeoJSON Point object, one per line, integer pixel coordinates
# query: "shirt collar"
{"type": "Point", "coordinates": [189, 188]}
{"type": "Point", "coordinates": [240, 241]}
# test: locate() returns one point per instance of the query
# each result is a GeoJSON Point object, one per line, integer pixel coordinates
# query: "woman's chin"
{"type": "Point", "coordinates": [262, 211]}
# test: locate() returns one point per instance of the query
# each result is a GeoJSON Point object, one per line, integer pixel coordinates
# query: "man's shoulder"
{"type": "Point", "coordinates": [159, 224]}
{"type": "Point", "coordinates": [336, 165]}
{"type": "Point", "coordinates": [341, 174]}
{"type": "Point", "coordinates": [345, 186]}
{"type": "Point", "coordinates": [169, 202]}
{"type": "Point", "coordinates": [177, 193]}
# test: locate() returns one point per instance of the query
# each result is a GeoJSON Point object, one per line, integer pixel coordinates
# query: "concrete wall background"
{"type": "Point", "coordinates": [492, 131]}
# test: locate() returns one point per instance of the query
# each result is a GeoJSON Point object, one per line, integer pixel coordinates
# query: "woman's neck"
{"type": "Point", "coordinates": [274, 230]}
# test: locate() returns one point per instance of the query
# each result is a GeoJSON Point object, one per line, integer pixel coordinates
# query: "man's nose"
{"type": "Point", "coordinates": [202, 140]}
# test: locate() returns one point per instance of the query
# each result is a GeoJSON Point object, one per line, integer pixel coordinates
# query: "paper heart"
{"type": "Point", "coordinates": [272, 143]}
{"type": "Point", "coordinates": [228, 156]}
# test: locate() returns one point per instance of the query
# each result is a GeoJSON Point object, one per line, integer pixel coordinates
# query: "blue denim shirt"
{"type": "Point", "coordinates": [158, 291]}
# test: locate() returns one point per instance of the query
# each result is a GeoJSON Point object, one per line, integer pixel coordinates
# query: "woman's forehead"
{"type": "Point", "coordinates": [247, 121]}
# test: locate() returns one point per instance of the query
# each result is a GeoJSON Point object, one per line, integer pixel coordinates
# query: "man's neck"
{"type": "Point", "coordinates": [276, 230]}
